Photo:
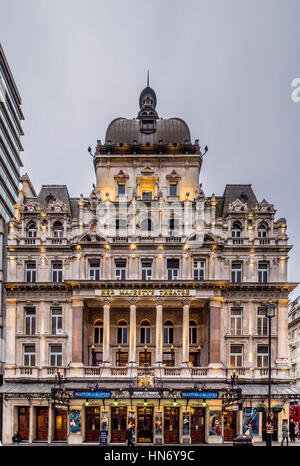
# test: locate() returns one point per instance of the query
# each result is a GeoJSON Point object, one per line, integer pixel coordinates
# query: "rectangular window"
{"type": "Point", "coordinates": [262, 322]}
{"type": "Point", "coordinates": [199, 270]}
{"type": "Point", "coordinates": [57, 272]}
{"type": "Point", "coordinates": [173, 269]}
{"type": "Point", "coordinates": [146, 270]}
{"type": "Point", "coordinates": [147, 196]}
{"type": "Point", "coordinates": [263, 272]}
{"type": "Point", "coordinates": [236, 355]}
{"type": "Point", "coordinates": [145, 359]}
{"type": "Point", "coordinates": [167, 359]}
{"type": "Point", "coordinates": [193, 359]}
{"type": "Point", "coordinates": [262, 356]}
{"type": "Point", "coordinates": [236, 272]}
{"type": "Point", "coordinates": [56, 355]}
{"type": "Point", "coordinates": [122, 359]}
{"type": "Point", "coordinates": [121, 189]}
{"type": "Point", "coordinates": [173, 189]}
{"type": "Point", "coordinates": [56, 320]}
{"type": "Point", "coordinates": [168, 335]}
{"type": "Point", "coordinates": [122, 335]}
{"type": "Point", "coordinates": [30, 320]}
{"type": "Point", "coordinates": [120, 270]}
{"type": "Point", "coordinates": [145, 335]}
{"type": "Point", "coordinates": [236, 322]}
{"type": "Point", "coordinates": [94, 270]}
{"type": "Point", "coordinates": [98, 335]}
{"type": "Point", "coordinates": [30, 272]}
{"type": "Point", "coordinates": [120, 224]}
{"type": "Point", "coordinates": [193, 334]}
{"type": "Point", "coordinates": [29, 355]}
{"type": "Point", "coordinates": [173, 226]}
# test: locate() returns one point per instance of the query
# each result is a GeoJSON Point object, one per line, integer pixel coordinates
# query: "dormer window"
{"type": "Point", "coordinates": [148, 124]}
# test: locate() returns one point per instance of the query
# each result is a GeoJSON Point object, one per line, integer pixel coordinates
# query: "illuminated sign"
{"type": "Point", "coordinates": [150, 292]}
{"type": "Point", "coordinates": [202, 395]}
{"type": "Point", "coordinates": [92, 394]}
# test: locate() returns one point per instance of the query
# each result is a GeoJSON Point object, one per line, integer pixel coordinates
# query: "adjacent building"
{"type": "Point", "coordinates": [10, 147]}
{"type": "Point", "coordinates": [294, 338]}
{"type": "Point", "coordinates": [145, 302]}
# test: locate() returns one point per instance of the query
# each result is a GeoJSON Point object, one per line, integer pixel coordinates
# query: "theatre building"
{"type": "Point", "coordinates": [145, 302]}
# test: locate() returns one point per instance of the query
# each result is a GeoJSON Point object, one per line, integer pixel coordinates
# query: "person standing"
{"type": "Point", "coordinates": [129, 435]}
{"type": "Point", "coordinates": [285, 433]}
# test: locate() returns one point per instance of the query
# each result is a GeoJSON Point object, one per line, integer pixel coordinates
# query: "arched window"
{"type": "Point", "coordinates": [98, 332]}
{"type": "Point", "coordinates": [168, 333]}
{"type": "Point", "coordinates": [236, 230]}
{"type": "Point", "coordinates": [145, 332]}
{"type": "Point", "coordinates": [57, 230]}
{"type": "Point", "coordinates": [193, 332]}
{"type": "Point", "coordinates": [31, 230]}
{"type": "Point", "coordinates": [122, 332]}
{"type": "Point", "coordinates": [262, 231]}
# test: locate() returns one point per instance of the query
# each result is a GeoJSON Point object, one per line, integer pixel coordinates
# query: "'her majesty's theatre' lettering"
{"type": "Point", "coordinates": [151, 292]}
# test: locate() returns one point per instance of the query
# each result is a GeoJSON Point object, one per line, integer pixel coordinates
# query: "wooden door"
{"type": "Point", "coordinates": [145, 425]}
{"type": "Point", "coordinates": [198, 425]}
{"type": "Point", "coordinates": [171, 425]}
{"type": "Point", "coordinates": [23, 422]}
{"type": "Point", "coordinates": [42, 415]}
{"type": "Point", "coordinates": [229, 425]}
{"type": "Point", "coordinates": [92, 424]}
{"type": "Point", "coordinates": [60, 432]}
{"type": "Point", "coordinates": [118, 424]}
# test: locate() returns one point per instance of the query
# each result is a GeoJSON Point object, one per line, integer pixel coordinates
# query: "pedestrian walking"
{"type": "Point", "coordinates": [285, 433]}
{"type": "Point", "coordinates": [296, 429]}
{"type": "Point", "coordinates": [292, 430]}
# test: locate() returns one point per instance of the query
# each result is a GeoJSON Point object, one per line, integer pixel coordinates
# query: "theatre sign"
{"type": "Point", "coordinates": [145, 292]}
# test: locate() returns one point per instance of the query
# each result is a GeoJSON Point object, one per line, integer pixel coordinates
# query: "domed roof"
{"type": "Point", "coordinates": [167, 131]}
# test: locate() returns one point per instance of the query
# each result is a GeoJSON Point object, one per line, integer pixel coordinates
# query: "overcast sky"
{"type": "Point", "coordinates": [224, 66]}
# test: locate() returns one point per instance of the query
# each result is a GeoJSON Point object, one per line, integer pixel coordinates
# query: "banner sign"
{"type": "Point", "coordinates": [282, 361]}
{"type": "Point", "coordinates": [203, 395]}
{"type": "Point", "coordinates": [151, 292]}
{"type": "Point", "coordinates": [90, 394]}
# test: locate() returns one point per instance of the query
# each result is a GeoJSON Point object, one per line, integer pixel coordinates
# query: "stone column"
{"type": "Point", "coordinates": [215, 332]}
{"type": "Point", "coordinates": [11, 319]}
{"type": "Point", "coordinates": [77, 332]}
{"type": "Point", "coordinates": [282, 329]}
{"type": "Point", "coordinates": [106, 331]}
{"type": "Point", "coordinates": [185, 330]}
{"type": "Point", "coordinates": [132, 331]}
{"type": "Point", "coordinates": [159, 331]}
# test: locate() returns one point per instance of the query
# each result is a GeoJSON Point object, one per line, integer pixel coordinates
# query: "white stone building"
{"type": "Point", "coordinates": [145, 296]}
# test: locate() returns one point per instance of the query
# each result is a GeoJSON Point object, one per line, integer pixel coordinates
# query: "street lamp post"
{"type": "Point", "coordinates": [270, 313]}
{"type": "Point", "coordinates": [119, 355]}
{"type": "Point", "coordinates": [93, 355]}
{"type": "Point", "coordinates": [146, 355]}
{"type": "Point", "coordinates": [200, 347]}
{"type": "Point", "coordinates": [172, 356]}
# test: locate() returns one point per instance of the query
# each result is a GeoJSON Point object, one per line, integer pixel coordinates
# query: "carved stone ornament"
{"type": "Point", "coordinates": [173, 176]}
{"type": "Point", "coordinates": [264, 206]}
{"type": "Point", "coordinates": [237, 206]}
{"type": "Point", "coordinates": [57, 206]}
{"type": "Point", "coordinates": [121, 177]}
{"type": "Point", "coordinates": [159, 301]}
{"type": "Point", "coordinates": [106, 301]}
{"type": "Point", "coordinates": [133, 301]}
{"type": "Point", "coordinates": [31, 206]}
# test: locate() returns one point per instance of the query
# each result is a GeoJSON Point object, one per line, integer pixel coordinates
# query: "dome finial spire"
{"type": "Point", "coordinates": [148, 78]}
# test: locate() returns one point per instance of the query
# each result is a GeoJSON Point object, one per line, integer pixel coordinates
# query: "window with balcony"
{"type": "Point", "coordinates": [173, 224]}
{"type": "Point", "coordinates": [120, 270]}
{"type": "Point", "coordinates": [146, 224]}
{"type": "Point", "coordinates": [98, 332]}
{"type": "Point", "coordinates": [262, 231]}
{"type": "Point", "coordinates": [57, 230]}
{"type": "Point", "coordinates": [145, 332]}
{"type": "Point", "coordinates": [57, 269]}
{"type": "Point", "coordinates": [31, 230]}
{"type": "Point", "coordinates": [193, 333]}
{"type": "Point", "coordinates": [262, 356]}
{"type": "Point", "coordinates": [236, 230]}
{"type": "Point", "coordinates": [55, 354]}
{"type": "Point", "coordinates": [30, 320]}
{"type": "Point", "coordinates": [147, 195]}
{"type": "Point", "coordinates": [168, 333]}
{"type": "Point", "coordinates": [262, 322]}
{"type": "Point", "coordinates": [122, 332]}
{"type": "Point", "coordinates": [146, 270]}
{"type": "Point", "coordinates": [94, 270]}
{"type": "Point", "coordinates": [263, 270]}
{"type": "Point", "coordinates": [121, 358]}
{"type": "Point", "coordinates": [236, 355]}
{"type": "Point", "coordinates": [168, 359]}
{"type": "Point", "coordinates": [29, 355]}
{"type": "Point", "coordinates": [236, 322]}
{"type": "Point", "coordinates": [56, 320]}
{"type": "Point", "coordinates": [199, 270]}
{"type": "Point", "coordinates": [31, 272]}
{"type": "Point", "coordinates": [173, 269]}
{"type": "Point", "coordinates": [236, 272]}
